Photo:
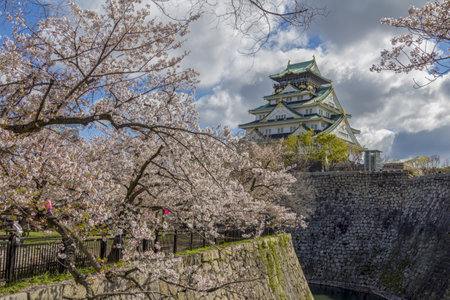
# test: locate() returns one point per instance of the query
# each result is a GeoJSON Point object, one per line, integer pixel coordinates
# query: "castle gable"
{"type": "Point", "coordinates": [281, 112]}
{"type": "Point", "coordinates": [332, 101]}
{"type": "Point", "coordinates": [289, 88]}
{"type": "Point", "coordinates": [344, 132]}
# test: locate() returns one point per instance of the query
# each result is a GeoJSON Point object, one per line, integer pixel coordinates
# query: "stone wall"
{"type": "Point", "coordinates": [273, 272]}
{"type": "Point", "coordinates": [377, 231]}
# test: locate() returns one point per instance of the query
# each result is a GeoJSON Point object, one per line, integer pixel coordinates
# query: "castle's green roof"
{"type": "Point", "coordinates": [295, 68]}
{"type": "Point", "coordinates": [298, 68]}
{"type": "Point", "coordinates": [297, 91]}
{"type": "Point", "coordinates": [262, 108]}
{"type": "Point", "coordinates": [320, 95]}
{"type": "Point", "coordinates": [259, 123]}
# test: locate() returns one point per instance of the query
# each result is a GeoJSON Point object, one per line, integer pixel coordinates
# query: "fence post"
{"type": "Point", "coordinates": [175, 240]}
{"type": "Point", "coordinates": [11, 258]}
{"type": "Point", "coordinates": [103, 246]}
{"type": "Point", "coordinates": [191, 240]}
{"type": "Point", "coordinates": [61, 259]}
{"type": "Point", "coordinates": [144, 245]}
{"type": "Point", "coordinates": [156, 241]}
{"type": "Point", "coordinates": [116, 249]}
{"type": "Point", "coordinates": [119, 247]}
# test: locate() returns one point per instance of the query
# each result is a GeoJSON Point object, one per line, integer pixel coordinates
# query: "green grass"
{"type": "Point", "coordinates": [51, 236]}
{"type": "Point", "coordinates": [38, 280]}
{"type": "Point", "coordinates": [224, 245]}
{"type": "Point", "coordinates": [14, 287]}
{"type": "Point", "coordinates": [34, 234]}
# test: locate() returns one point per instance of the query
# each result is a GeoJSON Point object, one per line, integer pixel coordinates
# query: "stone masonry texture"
{"type": "Point", "coordinates": [267, 269]}
{"type": "Point", "coordinates": [380, 232]}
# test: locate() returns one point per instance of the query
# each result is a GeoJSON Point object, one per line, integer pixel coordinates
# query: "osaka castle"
{"type": "Point", "coordinates": [302, 100]}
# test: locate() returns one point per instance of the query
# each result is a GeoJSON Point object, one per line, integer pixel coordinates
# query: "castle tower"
{"type": "Point", "coordinates": [302, 100]}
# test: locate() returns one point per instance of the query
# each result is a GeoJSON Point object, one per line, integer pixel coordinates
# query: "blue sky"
{"type": "Point", "coordinates": [392, 115]}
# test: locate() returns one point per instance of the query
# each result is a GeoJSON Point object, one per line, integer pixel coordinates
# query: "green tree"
{"type": "Point", "coordinates": [329, 149]}
{"type": "Point", "coordinates": [290, 150]}
{"type": "Point", "coordinates": [323, 147]}
{"type": "Point", "coordinates": [424, 165]}
{"type": "Point", "coordinates": [306, 141]}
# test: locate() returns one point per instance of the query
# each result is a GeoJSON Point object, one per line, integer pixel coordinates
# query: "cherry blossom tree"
{"type": "Point", "coordinates": [117, 74]}
{"type": "Point", "coordinates": [425, 47]}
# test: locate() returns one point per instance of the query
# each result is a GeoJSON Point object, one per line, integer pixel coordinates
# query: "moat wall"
{"type": "Point", "coordinates": [377, 231]}
{"type": "Point", "coordinates": [265, 268]}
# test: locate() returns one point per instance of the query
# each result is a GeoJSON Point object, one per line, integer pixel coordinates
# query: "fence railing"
{"type": "Point", "coordinates": [35, 256]}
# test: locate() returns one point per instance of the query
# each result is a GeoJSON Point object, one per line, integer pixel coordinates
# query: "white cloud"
{"type": "Point", "coordinates": [377, 139]}
{"type": "Point", "coordinates": [221, 106]}
{"type": "Point", "coordinates": [384, 105]}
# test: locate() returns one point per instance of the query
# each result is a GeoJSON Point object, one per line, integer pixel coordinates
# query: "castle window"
{"type": "Point", "coordinates": [280, 130]}
{"type": "Point", "coordinates": [268, 131]}
{"type": "Point", "coordinates": [292, 129]}
{"type": "Point", "coordinates": [280, 117]}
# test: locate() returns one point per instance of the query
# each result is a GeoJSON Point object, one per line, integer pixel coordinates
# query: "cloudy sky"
{"type": "Point", "coordinates": [393, 116]}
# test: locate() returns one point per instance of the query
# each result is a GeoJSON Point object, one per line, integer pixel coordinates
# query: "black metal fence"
{"type": "Point", "coordinates": [28, 257]}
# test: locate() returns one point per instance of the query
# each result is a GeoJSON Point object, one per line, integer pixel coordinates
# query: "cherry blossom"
{"type": "Point", "coordinates": [425, 47]}
{"type": "Point", "coordinates": [117, 74]}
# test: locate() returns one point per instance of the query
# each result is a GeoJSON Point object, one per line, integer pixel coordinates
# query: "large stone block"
{"type": "Point", "coordinates": [18, 296]}
{"type": "Point", "coordinates": [50, 292]}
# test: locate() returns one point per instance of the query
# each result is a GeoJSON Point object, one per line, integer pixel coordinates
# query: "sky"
{"type": "Point", "coordinates": [392, 115]}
